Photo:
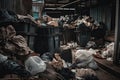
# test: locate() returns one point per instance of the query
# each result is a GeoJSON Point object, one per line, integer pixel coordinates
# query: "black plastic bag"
{"type": "Point", "coordinates": [12, 67]}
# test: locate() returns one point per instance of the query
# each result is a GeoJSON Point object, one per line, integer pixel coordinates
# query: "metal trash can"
{"type": "Point", "coordinates": [27, 30]}
{"type": "Point", "coordinates": [47, 39]}
{"type": "Point", "coordinates": [82, 37]}
{"type": "Point", "coordinates": [68, 35]}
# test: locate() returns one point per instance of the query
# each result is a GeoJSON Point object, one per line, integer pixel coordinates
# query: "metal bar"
{"type": "Point", "coordinates": [117, 33]}
{"type": "Point", "coordinates": [60, 9]}
{"type": "Point", "coordinates": [53, 4]}
{"type": "Point", "coordinates": [69, 3]}
{"type": "Point", "coordinates": [63, 1]}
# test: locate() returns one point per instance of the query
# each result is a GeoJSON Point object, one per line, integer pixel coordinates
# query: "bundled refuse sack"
{"type": "Point", "coordinates": [84, 59]}
{"type": "Point", "coordinates": [11, 67]}
{"type": "Point", "coordinates": [58, 63]}
{"type": "Point", "coordinates": [12, 44]}
{"type": "Point", "coordinates": [60, 66]}
{"type": "Point", "coordinates": [2, 59]}
{"type": "Point", "coordinates": [47, 57]}
{"type": "Point", "coordinates": [53, 23]}
{"type": "Point", "coordinates": [35, 65]}
{"type": "Point", "coordinates": [27, 18]}
{"type": "Point", "coordinates": [108, 52]}
{"type": "Point", "coordinates": [86, 74]}
{"type": "Point", "coordinates": [66, 73]}
{"type": "Point", "coordinates": [7, 17]}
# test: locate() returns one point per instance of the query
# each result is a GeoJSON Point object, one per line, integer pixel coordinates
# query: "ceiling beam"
{"type": "Point", "coordinates": [63, 1]}
{"type": "Point", "coordinates": [53, 12]}
{"type": "Point", "coordinates": [53, 4]}
{"type": "Point", "coordinates": [72, 9]}
{"type": "Point", "coordinates": [69, 3]}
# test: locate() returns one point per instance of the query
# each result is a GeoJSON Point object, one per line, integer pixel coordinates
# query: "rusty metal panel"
{"type": "Point", "coordinates": [7, 4]}
{"type": "Point", "coordinates": [18, 6]}
{"type": "Point", "coordinates": [102, 13]}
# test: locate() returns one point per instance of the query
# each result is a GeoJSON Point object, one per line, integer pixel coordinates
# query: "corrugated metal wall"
{"type": "Point", "coordinates": [8, 4]}
{"type": "Point", "coordinates": [102, 13]}
{"type": "Point", "coordinates": [18, 6]}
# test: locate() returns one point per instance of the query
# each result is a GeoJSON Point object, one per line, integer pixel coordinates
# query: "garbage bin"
{"type": "Point", "coordinates": [82, 36]}
{"type": "Point", "coordinates": [27, 30]}
{"type": "Point", "coordinates": [68, 35]}
{"type": "Point", "coordinates": [47, 39]}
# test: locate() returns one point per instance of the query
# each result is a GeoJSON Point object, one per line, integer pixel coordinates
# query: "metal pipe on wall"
{"type": "Point", "coordinates": [116, 57]}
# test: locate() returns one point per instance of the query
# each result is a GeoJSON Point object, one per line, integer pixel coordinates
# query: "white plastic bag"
{"type": "Point", "coordinates": [84, 59]}
{"type": "Point", "coordinates": [3, 58]}
{"type": "Point", "coordinates": [35, 64]}
{"type": "Point", "coordinates": [108, 53]}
